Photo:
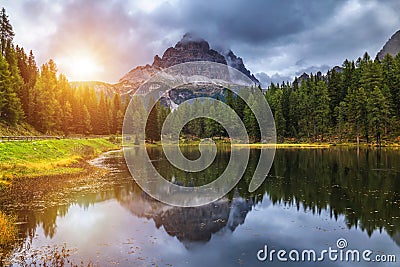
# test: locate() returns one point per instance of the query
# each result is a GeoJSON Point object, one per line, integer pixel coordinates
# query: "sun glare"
{"type": "Point", "coordinates": [80, 67]}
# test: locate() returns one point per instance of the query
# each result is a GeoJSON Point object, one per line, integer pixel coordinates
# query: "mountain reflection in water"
{"type": "Point", "coordinates": [346, 192]}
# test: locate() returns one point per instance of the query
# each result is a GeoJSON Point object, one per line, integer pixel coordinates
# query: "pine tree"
{"type": "Point", "coordinates": [321, 110]}
{"type": "Point", "coordinates": [391, 83]}
{"type": "Point", "coordinates": [334, 93]}
{"type": "Point", "coordinates": [5, 84]}
{"type": "Point", "coordinates": [396, 86]}
{"type": "Point", "coordinates": [152, 129]}
{"type": "Point", "coordinates": [378, 113]}
{"type": "Point", "coordinates": [357, 111]}
{"type": "Point", "coordinates": [120, 120]}
{"type": "Point", "coordinates": [286, 92]}
{"type": "Point", "coordinates": [195, 127]}
{"type": "Point", "coordinates": [250, 121]}
{"type": "Point", "coordinates": [349, 78]}
{"type": "Point", "coordinates": [340, 115]}
{"type": "Point", "coordinates": [294, 114]}
{"type": "Point", "coordinates": [67, 118]}
{"type": "Point", "coordinates": [134, 119]}
{"type": "Point", "coordinates": [116, 107]}
{"type": "Point", "coordinates": [10, 104]}
{"type": "Point", "coordinates": [46, 107]}
{"type": "Point", "coordinates": [162, 114]}
{"type": "Point", "coordinates": [29, 101]}
{"type": "Point", "coordinates": [91, 102]}
{"type": "Point", "coordinates": [6, 31]}
{"type": "Point", "coordinates": [370, 73]}
{"type": "Point", "coordinates": [87, 127]}
{"type": "Point", "coordinates": [280, 121]}
{"type": "Point", "coordinates": [230, 98]}
{"type": "Point", "coordinates": [210, 125]}
{"type": "Point", "coordinates": [28, 75]}
{"type": "Point", "coordinates": [103, 125]}
{"type": "Point", "coordinates": [304, 109]}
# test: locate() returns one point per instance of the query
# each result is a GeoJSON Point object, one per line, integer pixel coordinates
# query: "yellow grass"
{"type": "Point", "coordinates": [8, 230]}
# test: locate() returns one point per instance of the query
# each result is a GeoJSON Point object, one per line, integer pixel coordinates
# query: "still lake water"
{"type": "Point", "coordinates": [310, 199]}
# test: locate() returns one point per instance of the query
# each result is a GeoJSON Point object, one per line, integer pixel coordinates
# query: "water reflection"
{"type": "Point", "coordinates": [330, 192]}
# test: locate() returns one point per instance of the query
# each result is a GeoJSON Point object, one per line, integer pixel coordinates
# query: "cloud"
{"type": "Point", "coordinates": [314, 69]}
{"type": "Point", "coordinates": [266, 79]}
{"type": "Point", "coordinates": [280, 37]}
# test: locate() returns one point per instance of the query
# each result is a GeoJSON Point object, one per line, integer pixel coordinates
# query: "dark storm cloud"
{"type": "Point", "coordinates": [256, 22]}
{"type": "Point", "coordinates": [277, 38]}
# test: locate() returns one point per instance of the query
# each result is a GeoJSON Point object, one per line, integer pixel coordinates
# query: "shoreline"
{"type": "Point", "coordinates": [285, 145]}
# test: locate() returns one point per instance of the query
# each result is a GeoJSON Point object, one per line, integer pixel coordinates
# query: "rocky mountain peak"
{"type": "Point", "coordinates": [391, 47]}
{"type": "Point", "coordinates": [191, 42]}
{"type": "Point", "coordinates": [189, 48]}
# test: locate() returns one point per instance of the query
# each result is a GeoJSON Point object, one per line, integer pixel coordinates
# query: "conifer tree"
{"type": "Point", "coordinates": [10, 105]}
{"type": "Point", "coordinates": [6, 31]}
{"type": "Point", "coordinates": [116, 107]}
{"type": "Point", "coordinates": [378, 113]}
{"type": "Point", "coordinates": [357, 111]}
{"type": "Point", "coordinates": [103, 126]}
{"type": "Point", "coordinates": [67, 118]}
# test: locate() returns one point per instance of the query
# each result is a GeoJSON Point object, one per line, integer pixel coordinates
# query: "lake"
{"type": "Point", "coordinates": [310, 199]}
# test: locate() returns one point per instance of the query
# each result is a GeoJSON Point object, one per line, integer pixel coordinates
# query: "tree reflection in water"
{"type": "Point", "coordinates": [363, 186]}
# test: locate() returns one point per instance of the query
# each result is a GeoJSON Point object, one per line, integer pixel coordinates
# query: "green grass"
{"type": "Point", "coordinates": [47, 157]}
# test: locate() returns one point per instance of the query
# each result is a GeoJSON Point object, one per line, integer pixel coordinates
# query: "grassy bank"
{"type": "Point", "coordinates": [48, 157]}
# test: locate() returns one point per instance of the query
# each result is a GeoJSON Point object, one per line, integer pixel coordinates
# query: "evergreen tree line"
{"type": "Point", "coordinates": [46, 100]}
{"type": "Point", "coordinates": [205, 127]}
{"type": "Point", "coordinates": [359, 102]}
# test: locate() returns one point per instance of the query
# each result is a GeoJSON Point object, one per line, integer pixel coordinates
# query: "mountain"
{"type": "Point", "coordinates": [189, 48]}
{"type": "Point", "coordinates": [391, 47]}
{"type": "Point", "coordinates": [108, 89]}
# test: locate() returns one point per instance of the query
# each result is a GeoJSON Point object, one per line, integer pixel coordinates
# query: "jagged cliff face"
{"type": "Point", "coordinates": [391, 47]}
{"type": "Point", "coordinates": [188, 49]}
{"type": "Point", "coordinates": [237, 63]}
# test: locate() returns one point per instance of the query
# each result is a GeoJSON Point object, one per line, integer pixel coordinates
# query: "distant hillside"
{"type": "Point", "coordinates": [108, 89]}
